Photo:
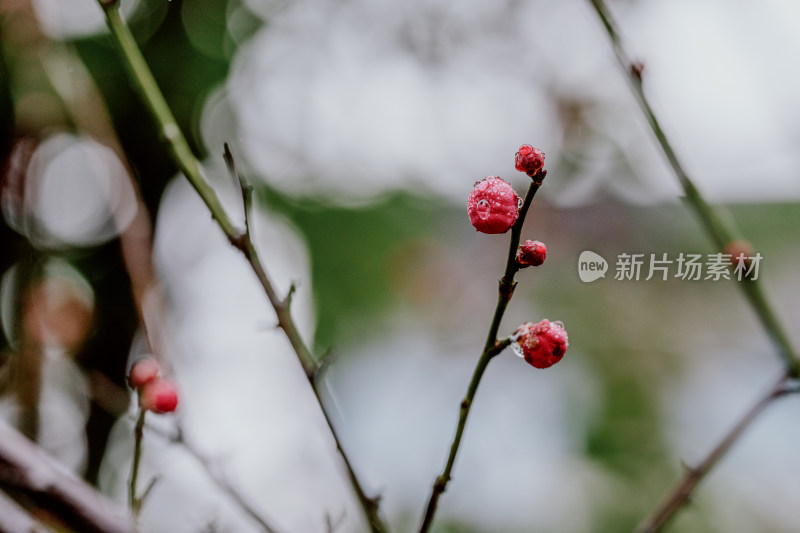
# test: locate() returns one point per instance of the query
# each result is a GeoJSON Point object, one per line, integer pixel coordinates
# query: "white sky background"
{"type": "Point", "coordinates": [356, 98]}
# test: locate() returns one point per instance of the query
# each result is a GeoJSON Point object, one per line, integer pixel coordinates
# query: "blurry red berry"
{"type": "Point", "coordinates": [740, 251]}
{"type": "Point", "coordinates": [143, 372]}
{"type": "Point", "coordinates": [532, 253]}
{"type": "Point", "coordinates": [159, 396]}
{"type": "Point", "coordinates": [493, 206]}
{"type": "Point", "coordinates": [543, 344]}
{"type": "Point", "coordinates": [529, 160]}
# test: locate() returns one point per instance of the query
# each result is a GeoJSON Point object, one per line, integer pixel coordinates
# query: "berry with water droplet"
{"type": "Point", "coordinates": [532, 253]}
{"type": "Point", "coordinates": [493, 206]}
{"type": "Point", "coordinates": [159, 396]}
{"type": "Point", "coordinates": [143, 372]}
{"type": "Point", "coordinates": [543, 344]}
{"type": "Point", "coordinates": [529, 160]}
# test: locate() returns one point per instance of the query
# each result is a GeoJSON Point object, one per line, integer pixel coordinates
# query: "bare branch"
{"type": "Point", "coordinates": [27, 468]}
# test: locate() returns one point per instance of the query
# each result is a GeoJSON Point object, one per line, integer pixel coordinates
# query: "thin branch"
{"type": "Point", "coordinates": [721, 232]}
{"type": "Point", "coordinates": [492, 347]}
{"type": "Point", "coordinates": [134, 502]}
{"type": "Point", "coordinates": [719, 228]}
{"type": "Point", "coordinates": [679, 495]}
{"type": "Point", "coordinates": [182, 155]}
{"type": "Point", "coordinates": [15, 519]}
{"type": "Point", "coordinates": [215, 475]}
{"type": "Point", "coordinates": [26, 468]}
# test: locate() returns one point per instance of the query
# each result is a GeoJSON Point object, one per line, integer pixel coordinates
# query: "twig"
{"type": "Point", "coordinates": [182, 155]}
{"type": "Point", "coordinates": [718, 228]}
{"type": "Point", "coordinates": [25, 467]}
{"type": "Point", "coordinates": [492, 347]}
{"type": "Point", "coordinates": [15, 519]}
{"type": "Point", "coordinates": [134, 501]}
{"type": "Point", "coordinates": [215, 475]}
{"type": "Point", "coordinates": [722, 233]}
{"type": "Point", "coordinates": [679, 495]}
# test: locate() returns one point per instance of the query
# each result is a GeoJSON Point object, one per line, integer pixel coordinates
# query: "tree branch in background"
{"type": "Point", "coordinates": [181, 153]}
{"type": "Point", "coordinates": [14, 519]}
{"type": "Point", "coordinates": [721, 230]}
{"type": "Point", "coordinates": [25, 468]}
{"type": "Point", "coordinates": [722, 233]}
{"type": "Point", "coordinates": [492, 347]}
{"type": "Point", "coordinates": [680, 493]}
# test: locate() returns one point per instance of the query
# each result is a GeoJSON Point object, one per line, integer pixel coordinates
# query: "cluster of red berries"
{"type": "Point", "coordinates": [155, 393]}
{"type": "Point", "coordinates": [493, 207]}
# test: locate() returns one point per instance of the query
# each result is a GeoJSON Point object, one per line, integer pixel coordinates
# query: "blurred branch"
{"type": "Point", "coordinates": [492, 347]}
{"type": "Point", "coordinates": [14, 519]}
{"type": "Point", "coordinates": [134, 502]}
{"type": "Point", "coordinates": [182, 155]}
{"type": "Point", "coordinates": [722, 232]}
{"type": "Point", "coordinates": [28, 469]}
{"type": "Point", "coordinates": [681, 492]}
{"type": "Point", "coordinates": [215, 475]}
{"type": "Point", "coordinates": [719, 228]}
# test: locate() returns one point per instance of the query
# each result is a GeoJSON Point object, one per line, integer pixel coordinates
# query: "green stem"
{"type": "Point", "coordinates": [721, 230]}
{"type": "Point", "coordinates": [492, 347]}
{"type": "Point", "coordinates": [169, 130]}
{"type": "Point", "coordinates": [182, 155]}
{"type": "Point", "coordinates": [138, 433]}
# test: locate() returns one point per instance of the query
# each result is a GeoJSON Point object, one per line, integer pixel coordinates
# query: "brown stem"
{"type": "Point", "coordinates": [26, 468]}
{"type": "Point", "coordinates": [492, 347]}
{"type": "Point", "coordinates": [680, 493]}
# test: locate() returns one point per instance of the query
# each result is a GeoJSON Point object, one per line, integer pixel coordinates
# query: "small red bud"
{"type": "Point", "coordinates": [529, 160]}
{"type": "Point", "coordinates": [532, 253]}
{"type": "Point", "coordinates": [493, 206]}
{"type": "Point", "coordinates": [159, 396]}
{"type": "Point", "coordinates": [543, 344]}
{"type": "Point", "coordinates": [739, 250]}
{"type": "Point", "coordinates": [143, 372]}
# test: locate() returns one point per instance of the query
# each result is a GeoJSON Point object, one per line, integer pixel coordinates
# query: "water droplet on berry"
{"type": "Point", "coordinates": [483, 209]}
{"type": "Point", "coordinates": [519, 203]}
{"type": "Point", "coordinates": [517, 349]}
{"type": "Point", "coordinates": [558, 323]}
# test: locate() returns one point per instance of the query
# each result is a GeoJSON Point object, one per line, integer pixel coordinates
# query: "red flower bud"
{"type": "Point", "coordinates": [493, 206]}
{"type": "Point", "coordinates": [159, 396]}
{"type": "Point", "coordinates": [532, 253]}
{"type": "Point", "coordinates": [740, 250]}
{"type": "Point", "coordinates": [543, 344]}
{"type": "Point", "coordinates": [529, 160]}
{"type": "Point", "coordinates": [143, 372]}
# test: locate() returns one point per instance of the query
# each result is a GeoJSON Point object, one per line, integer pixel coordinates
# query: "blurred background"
{"type": "Point", "coordinates": [363, 125]}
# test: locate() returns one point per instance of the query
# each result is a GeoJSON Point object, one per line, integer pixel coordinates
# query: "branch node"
{"type": "Point", "coordinates": [538, 177]}
{"type": "Point", "coordinates": [287, 300]}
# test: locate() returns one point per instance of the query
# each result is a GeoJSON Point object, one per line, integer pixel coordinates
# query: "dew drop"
{"type": "Point", "coordinates": [558, 323]}
{"type": "Point", "coordinates": [517, 349]}
{"type": "Point", "coordinates": [483, 209]}
{"type": "Point", "coordinates": [519, 203]}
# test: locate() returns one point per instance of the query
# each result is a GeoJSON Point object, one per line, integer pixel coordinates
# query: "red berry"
{"type": "Point", "coordinates": [143, 372]}
{"type": "Point", "coordinates": [159, 396]}
{"type": "Point", "coordinates": [532, 253]}
{"type": "Point", "coordinates": [543, 344]}
{"type": "Point", "coordinates": [529, 160]}
{"type": "Point", "coordinates": [739, 250]}
{"type": "Point", "coordinates": [493, 206]}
